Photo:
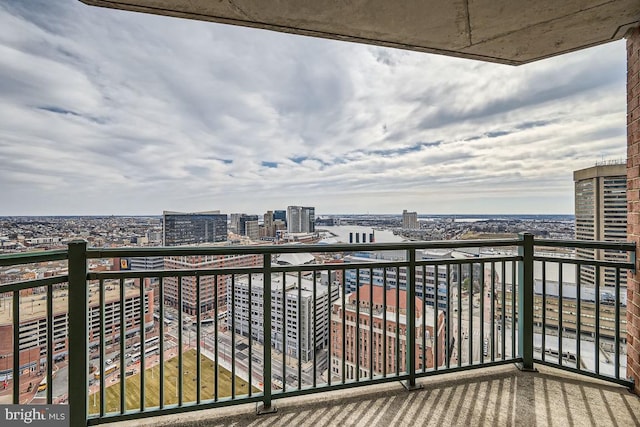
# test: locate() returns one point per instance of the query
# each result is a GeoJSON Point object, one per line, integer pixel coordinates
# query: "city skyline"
{"type": "Point", "coordinates": [107, 112]}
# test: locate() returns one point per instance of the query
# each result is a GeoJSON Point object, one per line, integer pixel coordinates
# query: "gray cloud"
{"type": "Point", "coordinates": [106, 112]}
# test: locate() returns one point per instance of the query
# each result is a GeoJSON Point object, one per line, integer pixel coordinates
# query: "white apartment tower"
{"type": "Point", "coordinates": [601, 214]}
{"type": "Point", "coordinates": [296, 318]}
{"type": "Point", "coordinates": [301, 219]}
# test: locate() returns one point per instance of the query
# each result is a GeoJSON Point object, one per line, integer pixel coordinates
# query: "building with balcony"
{"type": "Point", "coordinates": [601, 214]}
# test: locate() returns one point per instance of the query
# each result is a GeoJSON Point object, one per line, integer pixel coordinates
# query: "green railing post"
{"type": "Point", "coordinates": [410, 324]}
{"type": "Point", "coordinates": [78, 333]}
{"type": "Point", "coordinates": [267, 407]}
{"type": "Point", "coordinates": [525, 302]}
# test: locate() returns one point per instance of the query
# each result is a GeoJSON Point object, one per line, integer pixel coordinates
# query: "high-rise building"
{"type": "Point", "coordinates": [301, 219]}
{"type": "Point", "coordinates": [252, 229]}
{"type": "Point", "coordinates": [280, 215]}
{"type": "Point", "coordinates": [234, 222]}
{"type": "Point", "coordinates": [242, 223]}
{"type": "Point", "coordinates": [410, 220]}
{"type": "Point", "coordinates": [179, 228]}
{"type": "Point", "coordinates": [269, 229]}
{"type": "Point", "coordinates": [601, 214]}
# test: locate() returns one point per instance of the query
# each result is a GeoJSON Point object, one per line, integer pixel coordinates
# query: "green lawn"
{"type": "Point", "coordinates": [189, 384]}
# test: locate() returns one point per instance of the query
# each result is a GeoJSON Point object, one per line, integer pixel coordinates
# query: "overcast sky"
{"type": "Point", "coordinates": [110, 112]}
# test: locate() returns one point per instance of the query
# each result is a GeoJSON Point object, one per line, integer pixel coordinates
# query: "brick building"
{"type": "Point", "coordinates": [380, 333]}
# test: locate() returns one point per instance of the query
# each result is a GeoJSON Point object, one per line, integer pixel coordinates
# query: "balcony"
{"type": "Point", "coordinates": [323, 340]}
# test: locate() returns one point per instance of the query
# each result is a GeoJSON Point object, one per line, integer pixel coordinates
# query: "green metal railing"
{"type": "Point", "coordinates": [368, 322]}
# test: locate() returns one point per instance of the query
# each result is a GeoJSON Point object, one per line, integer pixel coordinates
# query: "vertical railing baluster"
{"type": "Point", "coordinates": [344, 327]}
{"type": "Point", "coordinates": [384, 322]}
{"type": "Point", "coordinates": [233, 336]}
{"type": "Point", "coordinates": [423, 354]}
{"type": "Point", "coordinates": [103, 356]}
{"type": "Point", "coordinates": [397, 337]}
{"type": "Point", "coordinates": [434, 335]}
{"type": "Point", "coordinates": [492, 298]}
{"type": "Point", "coordinates": [410, 316]}
{"type": "Point", "coordinates": [470, 308]}
{"type": "Point", "coordinates": [482, 291]}
{"type": "Point", "coordinates": [180, 342]}
{"type": "Point", "coordinates": [121, 338]}
{"type": "Point", "coordinates": [544, 310]}
{"type": "Point", "coordinates": [216, 349]}
{"type": "Point", "coordinates": [448, 346]}
{"type": "Point", "coordinates": [578, 317]}
{"type": "Point", "coordinates": [266, 332]}
{"type": "Point", "coordinates": [525, 301]}
{"type": "Point", "coordinates": [560, 310]}
{"type": "Point", "coordinates": [161, 379]}
{"type": "Point", "coordinates": [143, 349]}
{"type": "Point", "coordinates": [283, 311]}
{"type": "Point", "coordinates": [314, 328]}
{"type": "Point", "coordinates": [371, 323]}
{"type": "Point", "coordinates": [250, 333]}
{"type": "Point", "coordinates": [503, 317]}
{"type": "Point", "coordinates": [329, 329]}
{"type": "Point", "coordinates": [357, 337]}
{"type": "Point", "coordinates": [597, 320]}
{"type": "Point", "coordinates": [459, 315]}
{"type": "Point", "coordinates": [617, 325]}
{"type": "Point", "coordinates": [514, 305]}
{"type": "Point", "coordinates": [299, 331]}
{"type": "Point", "coordinates": [78, 328]}
{"type": "Point", "coordinates": [198, 334]}
{"type": "Point", "coordinates": [50, 317]}
{"type": "Point", "coordinates": [16, 347]}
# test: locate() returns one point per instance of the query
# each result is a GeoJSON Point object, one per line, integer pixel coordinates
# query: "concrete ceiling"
{"type": "Point", "coordinates": [504, 31]}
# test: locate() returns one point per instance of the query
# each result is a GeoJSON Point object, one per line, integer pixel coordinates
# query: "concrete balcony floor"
{"type": "Point", "coordinates": [499, 396]}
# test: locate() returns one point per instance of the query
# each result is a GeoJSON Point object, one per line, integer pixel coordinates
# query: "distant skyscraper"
{"type": "Point", "coordinates": [252, 229]}
{"type": "Point", "coordinates": [601, 214]}
{"type": "Point", "coordinates": [410, 220]}
{"type": "Point", "coordinates": [301, 219]}
{"type": "Point", "coordinates": [280, 215]}
{"type": "Point", "coordinates": [242, 223]}
{"type": "Point", "coordinates": [269, 229]}
{"type": "Point", "coordinates": [234, 222]}
{"type": "Point", "coordinates": [179, 228]}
